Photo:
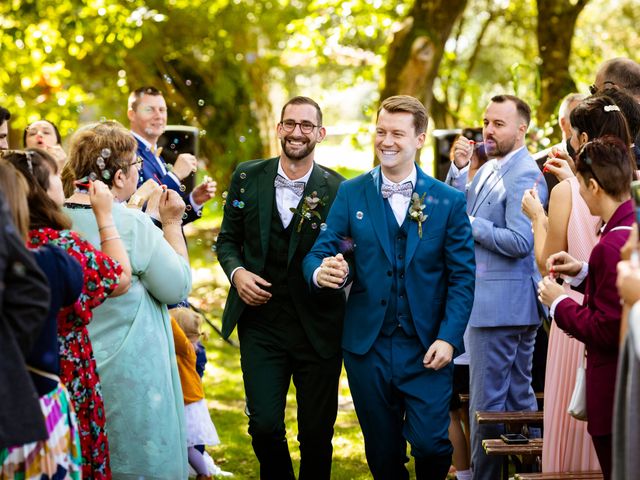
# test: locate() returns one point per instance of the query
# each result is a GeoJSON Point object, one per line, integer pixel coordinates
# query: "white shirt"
{"type": "Point", "coordinates": [399, 203]}
{"type": "Point", "coordinates": [287, 198]}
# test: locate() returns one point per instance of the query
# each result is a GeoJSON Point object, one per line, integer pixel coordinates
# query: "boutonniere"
{"type": "Point", "coordinates": [308, 208]}
{"type": "Point", "coordinates": [415, 210]}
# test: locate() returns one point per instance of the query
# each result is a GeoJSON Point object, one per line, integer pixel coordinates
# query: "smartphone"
{"type": "Point", "coordinates": [514, 438]}
{"type": "Point", "coordinates": [635, 195]}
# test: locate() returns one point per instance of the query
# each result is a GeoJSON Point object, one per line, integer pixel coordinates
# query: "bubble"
{"type": "Point", "coordinates": [224, 194]}
{"type": "Point", "coordinates": [242, 139]}
{"type": "Point", "coordinates": [174, 104]}
{"type": "Point", "coordinates": [103, 119]}
{"type": "Point", "coordinates": [187, 82]}
{"type": "Point", "coordinates": [105, 153]}
{"type": "Point", "coordinates": [106, 174]}
{"type": "Point", "coordinates": [168, 79]}
{"type": "Point", "coordinates": [251, 130]}
{"type": "Point", "coordinates": [185, 216]}
{"type": "Point", "coordinates": [172, 146]}
{"type": "Point", "coordinates": [241, 204]}
{"type": "Point", "coordinates": [323, 226]}
{"type": "Point", "coordinates": [79, 108]}
{"type": "Point", "coordinates": [224, 202]}
{"type": "Point", "coordinates": [188, 208]}
{"type": "Point", "coordinates": [199, 213]}
{"type": "Point", "coordinates": [234, 203]}
{"type": "Point", "coordinates": [326, 174]}
{"type": "Point", "coordinates": [359, 215]}
{"type": "Point", "coordinates": [100, 163]}
{"type": "Point", "coordinates": [93, 176]}
{"type": "Point", "coordinates": [199, 241]}
{"type": "Point", "coordinates": [176, 141]}
{"type": "Point", "coordinates": [202, 133]}
{"type": "Point", "coordinates": [242, 190]}
{"type": "Point", "coordinates": [215, 205]}
{"type": "Point", "coordinates": [19, 269]}
{"type": "Point", "coordinates": [214, 248]}
{"type": "Point", "coordinates": [201, 102]}
{"type": "Point", "coordinates": [183, 187]}
{"type": "Point", "coordinates": [314, 225]}
{"type": "Point", "coordinates": [243, 175]}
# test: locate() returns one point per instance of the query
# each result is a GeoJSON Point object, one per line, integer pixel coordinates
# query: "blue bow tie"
{"type": "Point", "coordinates": [295, 187]}
{"type": "Point", "coordinates": [405, 189]}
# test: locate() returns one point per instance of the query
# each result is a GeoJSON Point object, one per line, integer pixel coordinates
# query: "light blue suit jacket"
{"type": "Point", "coordinates": [506, 272]}
{"type": "Point", "coordinates": [439, 267]}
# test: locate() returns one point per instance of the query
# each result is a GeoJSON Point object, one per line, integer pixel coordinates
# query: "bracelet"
{"type": "Point", "coordinates": [172, 222]}
{"type": "Point", "coordinates": [105, 227]}
{"type": "Point", "coordinates": [115, 237]}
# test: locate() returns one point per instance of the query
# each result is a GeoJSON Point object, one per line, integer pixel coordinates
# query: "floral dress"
{"type": "Point", "coordinates": [77, 364]}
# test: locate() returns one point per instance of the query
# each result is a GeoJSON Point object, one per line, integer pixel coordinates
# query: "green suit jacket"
{"type": "Point", "coordinates": [244, 242]}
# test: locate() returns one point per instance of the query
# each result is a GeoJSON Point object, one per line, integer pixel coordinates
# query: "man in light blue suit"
{"type": "Point", "coordinates": [404, 241]}
{"type": "Point", "coordinates": [506, 313]}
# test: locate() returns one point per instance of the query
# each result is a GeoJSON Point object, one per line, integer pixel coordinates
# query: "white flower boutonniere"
{"type": "Point", "coordinates": [308, 208]}
{"type": "Point", "coordinates": [415, 210]}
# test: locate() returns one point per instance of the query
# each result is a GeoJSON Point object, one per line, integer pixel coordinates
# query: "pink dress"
{"type": "Point", "coordinates": [567, 446]}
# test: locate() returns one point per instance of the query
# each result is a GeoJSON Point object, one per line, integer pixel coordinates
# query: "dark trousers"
{"type": "Point", "coordinates": [274, 351]}
{"type": "Point", "coordinates": [397, 401]}
{"type": "Point", "coordinates": [603, 447]}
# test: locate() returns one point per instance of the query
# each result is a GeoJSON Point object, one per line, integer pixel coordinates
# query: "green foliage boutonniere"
{"type": "Point", "coordinates": [415, 210]}
{"type": "Point", "coordinates": [307, 209]}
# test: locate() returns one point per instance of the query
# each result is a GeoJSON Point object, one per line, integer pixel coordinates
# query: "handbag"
{"type": "Point", "coordinates": [578, 403]}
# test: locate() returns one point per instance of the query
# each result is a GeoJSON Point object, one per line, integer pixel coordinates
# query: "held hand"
{"type": "Point", "coordinates": [147, 189]}
{"type": "Point", "coordinates": [439, 355]}
{"type": "Point", "coordinates": [204, 192]}
{"type": "Point", "coordinates": [631, 244]}
{"type": "Point", "coordinates": [531, 205]}
{"type": "Point", "coordinates": [549, 290]}
{"type": "Point", "coordinates": [562, 263]}
{"type": "Point", "coordinates": [561, 165]}
{"type": "Point", "coordinates": [101, 198]}
{"type": "Point", "coordinates": [333, 272]}
{"type": "Point", "coordinates": [628, 282]}
{"type": "Point", "coordinates": [153, 204]}
{"type": "Point", "coordinates": [250, 287]}
{"type": "Point", "coordinates": [171, 206]}
{"type": "Point", "coordinates": [185, 165]}
{"type": "Point", "coordinates": [462, 151]}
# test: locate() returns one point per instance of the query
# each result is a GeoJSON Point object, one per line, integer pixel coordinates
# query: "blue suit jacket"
{"type": "Point", "coordinates": [439, 267]}
{"type": "Point", "coordinates": [506, 272]}
{"type": "Point", "coordinates": [151, 169]}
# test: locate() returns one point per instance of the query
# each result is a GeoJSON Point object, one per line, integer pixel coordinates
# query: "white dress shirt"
{"type": "Point", "coordinates": [399, 203]}
{"type": "Point", "coordinates": [287, 198]}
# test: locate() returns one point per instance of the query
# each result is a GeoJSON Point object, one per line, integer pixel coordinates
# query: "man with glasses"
{"type": "Point", "coordinates": [4, 128]}
{"type": "Point", "coordinates": [274, 211]}
{"type": "Point", "coordinates": [147, 113]}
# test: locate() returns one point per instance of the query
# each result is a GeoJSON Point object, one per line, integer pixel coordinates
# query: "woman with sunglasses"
{"type": "Point", "coordinates": [132, 334]}
{"type": "Point", "coordinates": [569, 227]}
{"type": "Point", "coordinates": [604, 171]}
{"type": "Point", "coordinates": [106, 272]}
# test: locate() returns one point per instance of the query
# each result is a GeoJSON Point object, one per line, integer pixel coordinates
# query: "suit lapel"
{"type": "Point", "coordinates": [376, 210]}
{"type": "Point", "coordinates": [317, 183]}
{"type": "Point", "coordinates": [423, 186]}
{"type": "Point", "coordinates": [490, 183]}
{"type": "Point", "coordinates": [265, 202]}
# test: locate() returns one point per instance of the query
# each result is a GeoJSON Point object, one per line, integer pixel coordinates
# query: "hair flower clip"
{"type": "Point", "coordinates": [611, 108]}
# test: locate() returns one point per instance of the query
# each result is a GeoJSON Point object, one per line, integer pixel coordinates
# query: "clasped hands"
{"type": "Point", "coordinates": [333, 272]}
{"type": "Point", "coordinates": [560, 263]}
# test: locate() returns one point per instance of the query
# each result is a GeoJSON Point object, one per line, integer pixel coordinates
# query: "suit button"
{"type": "Point", "coordinates": [400, 257]}
{"type": "Point", "coordinates": [383, 303]}
{"type": "Point", "coordinates": [389, 273]}
{"type": "Point", "coordinates": [401, 295]}
{"type": "Point", "coordinates": [401, 274]}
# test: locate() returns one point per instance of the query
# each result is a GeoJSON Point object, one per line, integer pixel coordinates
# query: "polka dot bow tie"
{"type": "Point", "coordinates": [405, 189]}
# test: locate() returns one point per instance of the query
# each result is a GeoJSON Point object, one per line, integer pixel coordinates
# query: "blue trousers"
{"type": "Point", "coordinates": [500, 380]}
{"type": "Point", "coordinates": [397, 401]}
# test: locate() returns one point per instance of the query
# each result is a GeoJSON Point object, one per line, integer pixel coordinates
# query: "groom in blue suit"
{"type": "Point", "coordinates": [506, 313]}
{"type": "Point", "coordinates": [403, 241]}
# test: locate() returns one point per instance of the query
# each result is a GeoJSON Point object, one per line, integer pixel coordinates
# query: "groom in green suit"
{"type": "Point", "coordinates": [274, 211]}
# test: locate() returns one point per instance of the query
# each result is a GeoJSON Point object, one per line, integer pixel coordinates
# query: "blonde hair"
{"type": "Point", "coordinates": [189, 321]}
{"type": "Point", "coordinates": [15, 189]}
{"type": "Point", "coordinates": [100, 149]}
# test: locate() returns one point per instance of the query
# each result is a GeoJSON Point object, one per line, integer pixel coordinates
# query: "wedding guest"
{"type": "Point", "coordinates": [604, 171]}
{"type": "Point", "coordinates": [132, 334]}
{"type": "Point", "coordinates": [44, 134]}
{"type": "Point", "coordinates": [106, 272]}
{"type": "Point", "coordinates": [4, 128]}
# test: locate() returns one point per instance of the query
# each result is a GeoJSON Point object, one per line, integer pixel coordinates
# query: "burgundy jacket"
{"type": "Point", "coordinates": [596, 322]}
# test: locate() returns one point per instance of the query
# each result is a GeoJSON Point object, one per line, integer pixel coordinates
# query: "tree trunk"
{"type": "Point", "coordinates": [417, 48]}
{"type": "Point", "coordinates": [556, 26]}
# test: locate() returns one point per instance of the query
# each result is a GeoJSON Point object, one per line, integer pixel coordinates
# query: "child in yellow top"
{"type": "Point", "coordinates": [200, 429]}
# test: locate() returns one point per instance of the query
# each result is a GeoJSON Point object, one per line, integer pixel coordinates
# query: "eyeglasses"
{"type": "Point", "coordinates": [138, 162]}
{"type": "Point", "coordinates": [593, 89]}
{"type": "Point", "coordinates": [290, 125]}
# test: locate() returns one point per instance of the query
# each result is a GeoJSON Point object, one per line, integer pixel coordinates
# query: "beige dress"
{"type": "Point", "coordinates": [567, 445]}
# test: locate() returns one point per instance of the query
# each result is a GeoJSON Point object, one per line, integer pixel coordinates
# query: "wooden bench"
{"type": "Point", "coordinates": [593, 475]}
{"type": "Point", "coordinates": [464, 397]}
{"type": "Point", "coordinates": [509, 417]}
{"type": "Point", "coordinates": [496, 446]}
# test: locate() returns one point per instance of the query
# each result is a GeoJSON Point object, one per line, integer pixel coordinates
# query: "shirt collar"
{"type": "Point", "coordinates": [412, 177]}
{"type": "Point", "coordinates": [501, 163]}
{"type": "Point", "coordinates": [144, 141]}
{"type": "Point", "coordinates": [304, 179]}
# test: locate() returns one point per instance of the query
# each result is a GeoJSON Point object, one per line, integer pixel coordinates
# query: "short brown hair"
{"type": "Point", "coordinates": [36, 166]}
{"type": "Point", "coordinates": [523, 108]}
{"type": "Point", "coordinates": [623, 73]}
{"type": "Point", "coordinates": [15, 189]}
{"type": "Point", "coordinates": [609, 162]}
{"type": "Point", "coordinates": [408, 104]}
{"type": "Point", "coordinates": [108, 141]}
{"type": "Point", "coordinates": [138, 93]}
{"type": "Point", "coordinates": [299, 100]}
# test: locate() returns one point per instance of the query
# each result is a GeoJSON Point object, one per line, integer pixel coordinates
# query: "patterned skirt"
{"type": "Point", "coordinates": [57, 456]}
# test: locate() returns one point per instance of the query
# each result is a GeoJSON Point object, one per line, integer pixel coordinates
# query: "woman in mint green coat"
{"type": "Point", "coordinates": [131, 334]}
